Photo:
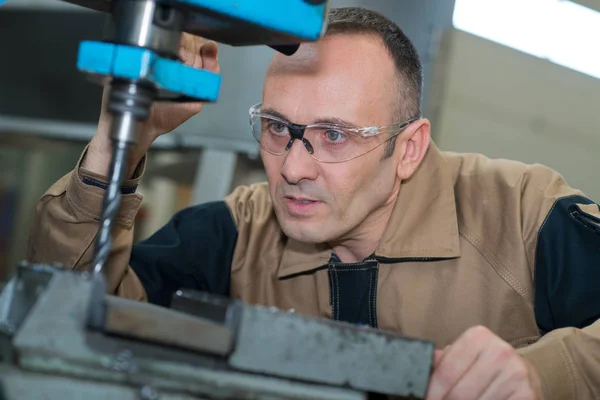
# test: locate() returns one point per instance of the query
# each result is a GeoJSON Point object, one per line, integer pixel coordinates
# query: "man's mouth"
{"type": "Point", "coordinates": [302, 200]}
{"type": "Point", "coordinates": [300, 205]}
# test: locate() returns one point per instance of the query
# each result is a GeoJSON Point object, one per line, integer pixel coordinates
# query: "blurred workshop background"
{"type": "Point", "coordinates": [515, 79]}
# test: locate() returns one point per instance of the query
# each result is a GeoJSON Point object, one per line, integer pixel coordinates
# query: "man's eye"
{"type": "Point", "coordinates": [335, 136]}
{"type": "Point", "coordinates": [278, 128]}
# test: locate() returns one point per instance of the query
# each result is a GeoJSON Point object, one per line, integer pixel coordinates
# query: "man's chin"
{"type": "Point", "coordinates": [304, 231]}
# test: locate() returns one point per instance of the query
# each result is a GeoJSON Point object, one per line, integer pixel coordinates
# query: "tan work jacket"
{"type": "Point", "coordinates": [471, 241]}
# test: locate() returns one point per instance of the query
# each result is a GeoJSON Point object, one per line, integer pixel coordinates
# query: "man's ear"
{"type": "Point", "coordinates": [414, 142]}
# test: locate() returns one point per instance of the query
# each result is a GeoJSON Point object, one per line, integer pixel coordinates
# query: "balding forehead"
{"type": "Point", "coordinates": [306, 58]}
{"type": "Point", "coordinates": [335, 50]}
{"type": "Point", "coordinates": [345, 75]}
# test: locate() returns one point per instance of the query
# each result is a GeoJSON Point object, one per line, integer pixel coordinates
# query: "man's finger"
{"type": "Point", "coordinates": [456, 361]}
{"type": "Point", "coordinates": [193, 108]}
{"type": "Point", "coordinates": [438, 355]}
{"type": "Point", "coordinates": [189, 50]}
{"type": "Point", "coordinates": [448, 372]}
{"type": "Point", "coordinates": [504, 387]}
{"type": "Point", "coordinates": [477, 378]}
{"type": "Point", "coordinates": [210, 56]}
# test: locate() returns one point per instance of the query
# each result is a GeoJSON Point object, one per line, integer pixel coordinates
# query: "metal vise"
{"type": "Point", "coordinates": [62, 337]}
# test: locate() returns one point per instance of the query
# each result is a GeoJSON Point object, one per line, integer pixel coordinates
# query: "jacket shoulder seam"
{"type": "Point", "coordinates": [497, 265]}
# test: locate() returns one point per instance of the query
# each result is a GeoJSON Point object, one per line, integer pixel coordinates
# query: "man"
{"type": "Point", "coordinates": [364, 220]}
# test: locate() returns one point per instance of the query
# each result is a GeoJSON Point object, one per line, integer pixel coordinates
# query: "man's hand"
{"type": "Point", "coordinates": [480, 365]}
{"type": "Point", "coordinates": [164, 118]}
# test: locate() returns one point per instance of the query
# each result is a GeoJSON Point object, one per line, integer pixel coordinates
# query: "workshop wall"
{"type": "Point", "coordinates": [507, 104]}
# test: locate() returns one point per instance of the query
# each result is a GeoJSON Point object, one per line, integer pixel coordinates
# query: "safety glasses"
{"type": "Point", "coordinates": [327, 143]}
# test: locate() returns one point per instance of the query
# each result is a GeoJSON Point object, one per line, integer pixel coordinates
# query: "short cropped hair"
{"type": "Point", "coordinates": [403, 52]}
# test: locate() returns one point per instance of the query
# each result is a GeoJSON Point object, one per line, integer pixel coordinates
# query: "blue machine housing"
{"type": "Point", "coordinates": [246, 22]}
{"type": "Point", "coordinates": [234, 22]}
{"type": "Point", "coordinates": [135, 63]}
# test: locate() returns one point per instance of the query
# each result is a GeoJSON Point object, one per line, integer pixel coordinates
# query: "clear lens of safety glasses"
{"type": "Point", "coordinates": [325, 142]}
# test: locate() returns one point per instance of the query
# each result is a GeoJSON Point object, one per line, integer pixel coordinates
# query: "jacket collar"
{"type": "Point", "coordinates": [423, 223]}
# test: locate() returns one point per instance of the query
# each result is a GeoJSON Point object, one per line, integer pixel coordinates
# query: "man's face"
{"type": "Point", "coordinates": [352, 78]}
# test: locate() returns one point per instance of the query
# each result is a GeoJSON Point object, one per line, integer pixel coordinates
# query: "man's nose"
{"type": "Point", "coordinates": [298, 164]}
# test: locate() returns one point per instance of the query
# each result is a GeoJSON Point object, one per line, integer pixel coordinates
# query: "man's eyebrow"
{"type": "Point", "coordinates": [323, 120]}
{"type": "Point", "coordinates": [274, 113]}
{"type": "Point", "coordinates": [336, 121]}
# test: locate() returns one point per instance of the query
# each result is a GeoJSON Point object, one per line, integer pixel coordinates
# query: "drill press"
{"type": "Point", "coordinates": [140, 56]}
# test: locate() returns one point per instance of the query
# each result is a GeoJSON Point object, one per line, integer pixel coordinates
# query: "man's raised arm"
{"type": "Point", "coordinates": [66, 218]}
